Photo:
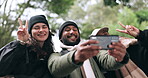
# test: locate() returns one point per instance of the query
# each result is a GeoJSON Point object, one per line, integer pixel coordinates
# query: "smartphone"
{"type": "Point", "coordinates": [105, 40]}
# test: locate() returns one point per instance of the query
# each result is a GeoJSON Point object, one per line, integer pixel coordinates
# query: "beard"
{"type": "Point", "coordinates": [68, 43]}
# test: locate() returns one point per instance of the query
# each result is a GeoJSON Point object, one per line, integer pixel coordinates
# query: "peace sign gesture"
{"type": "Point", "coordinates": [22, 32]}
{"type": "Point", "coordinates": [131, 30]}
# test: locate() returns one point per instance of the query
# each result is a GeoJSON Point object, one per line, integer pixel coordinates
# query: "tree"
{"type": "Point", "coordinates": [110, 3]}
{"type": "Point", "coordinates": [8, 25]}
{"type": "Point", "coordinates": [142, 15]}
{"type": "Point", "coordinates": [113, 3]}
{"type": "Point", "coordinates": [127, 17]}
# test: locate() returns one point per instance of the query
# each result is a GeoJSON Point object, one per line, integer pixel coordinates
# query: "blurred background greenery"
{"type": "Point", "coordinates": [88, 14]}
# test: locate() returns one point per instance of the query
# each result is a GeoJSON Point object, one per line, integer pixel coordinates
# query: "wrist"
{"type": "Point", "coordinates": [137, 33]}
{"type": "Point", "coordinates": [21, 41]}
{"type": "Point", "coordinates": [75, 59]}
{"type": "Point", "coordinates": [125, 59]}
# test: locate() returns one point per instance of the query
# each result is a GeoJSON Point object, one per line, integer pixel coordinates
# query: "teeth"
{"type": "Point", "coordinates": [72, 37]}
{"type": "Point", "coordinates": [41, 34]}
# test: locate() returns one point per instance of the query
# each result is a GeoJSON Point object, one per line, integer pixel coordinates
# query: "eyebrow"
{"type": "Point", "coordinates": [71, 27]}
{"type": "Point", "coordinates": [38, 25]}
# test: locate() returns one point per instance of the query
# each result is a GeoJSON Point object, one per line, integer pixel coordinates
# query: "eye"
{"type": "Point", "coordinates": [44, 27]}
{"type": "Point", "coordinates": [67, 29]}
{"type": "Point", "coordinates": [75, 29]}
{"type": "Point", "coordinates": [36, 27]}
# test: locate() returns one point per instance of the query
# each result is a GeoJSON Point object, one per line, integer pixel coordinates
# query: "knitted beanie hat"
{"type": "Point", "coordinates": [36, 19]}
{"type": "Point", "coordinates": [65, 24]}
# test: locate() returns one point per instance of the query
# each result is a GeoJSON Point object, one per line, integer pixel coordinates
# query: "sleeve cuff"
{"type": "Point", "coordinates": [125, 59]}
{"type": "Point", "coordinates": [72, 59]}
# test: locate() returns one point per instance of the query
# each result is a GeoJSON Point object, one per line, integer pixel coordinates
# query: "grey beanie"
{"type": "Point", "coordinates": [36, 19]}
{"type": "Point", "coordinates": [65, 24]}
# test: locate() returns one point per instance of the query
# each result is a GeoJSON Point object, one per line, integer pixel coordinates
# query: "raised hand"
{"type": "Point", "coordinates": [118, 52]}
{"type": "Point", "coordinates": [131, 30]}
{"type": "Point", "coordinates": [86, 51]}
{"type": "Point", "coordinates": [22, 32]}
{"type": "Point", "coordinates": [127, 41]}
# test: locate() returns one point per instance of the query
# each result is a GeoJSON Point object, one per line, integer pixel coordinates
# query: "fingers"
{"type": "Point", "coordinates": [118, 52]}
{"type": "Point", "coordinates": [20, 22]}
{"type": "Point", "coordinates": [89, 42]}
{"type": "Point", "coordinates": [22, 32]}
{"type": "Point", "coordinates": [122, 31]}
{"type": "Point", "coordinates": [85, 52]}
{"type": "Point", "coordinates": [26, 25]}
{"type": "Point", "coordinates": [122, 25]}
{"type": "Point", "coordinates": [127, 28]}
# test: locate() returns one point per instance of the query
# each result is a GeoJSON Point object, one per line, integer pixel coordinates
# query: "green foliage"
{"type": "Point", "coordinates": [124, 2]}
{"type": "Point", "coordinates": [138, 5]}
{"type": "Point", "coordinates": [86, 29]}
{"type": "Point", "coordinates": [98, 15]}
{"type": "Point", "coordinates": [110, 3]}
{"type": "Point", "coordinates": [142, 15]}
{"type": "Point", "coordinates": [143, 25]}
{"type": "Point", "coordinates": [59, 6]}
{"type": "Point", "coordinates": [53, 25]}
{"type": "Point", "coordinates": [127, 17]}
{"type": "Point", "coordinates": [102, 15]}
{"type": "Point", "coordinates": [5, 37]}
{"type": "Point", "coordinates": [80, 13]}
{"type": "Point", "coordinates": [113, 3]}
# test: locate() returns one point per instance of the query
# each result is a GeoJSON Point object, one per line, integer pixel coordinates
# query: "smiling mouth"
{"type": "Point", "coordinates": [41, 34]}
{"type": "Point", "coordinates": [72, 36]}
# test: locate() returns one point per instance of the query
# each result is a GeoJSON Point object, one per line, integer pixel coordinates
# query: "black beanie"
{"type": "Point", "coordinates": [65, 24]}
{"type": "Point", "coordinates": [36, 19]}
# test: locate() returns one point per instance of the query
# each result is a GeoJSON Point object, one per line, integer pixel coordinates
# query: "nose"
{"type": "Point", "coordinates": [41, 29]}
{"type": "Point", "coordinates": [71, 31]}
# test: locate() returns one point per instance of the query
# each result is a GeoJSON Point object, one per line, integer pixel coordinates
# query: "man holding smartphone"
{"type": "Point", "coordinates": [75, 55]}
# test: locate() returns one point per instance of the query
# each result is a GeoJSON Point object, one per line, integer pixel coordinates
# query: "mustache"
{"type": "Point", "coordinates": [72, 35]}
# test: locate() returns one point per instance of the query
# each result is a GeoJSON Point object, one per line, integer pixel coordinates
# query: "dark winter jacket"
{"type": "Point", "coordinates": [139, 52]}
{"type": "Point", "coordinates": [20, 62]}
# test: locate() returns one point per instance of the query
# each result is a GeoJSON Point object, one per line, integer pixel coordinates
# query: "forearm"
{"type": "Point", "coordinates": [61, 66]}
{"type": "Point", "coordinates": [108, 62]}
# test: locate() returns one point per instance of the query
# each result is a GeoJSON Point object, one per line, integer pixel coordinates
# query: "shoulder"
{"type": "Point", "coordinates": [11, 44]}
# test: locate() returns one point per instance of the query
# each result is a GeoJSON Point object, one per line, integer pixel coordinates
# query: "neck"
{"type": "Point", "coordinates": [41, 44]}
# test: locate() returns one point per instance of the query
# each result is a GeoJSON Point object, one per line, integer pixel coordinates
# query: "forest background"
{"type": "Point", "coordinates": [88, 14]}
